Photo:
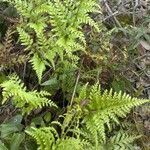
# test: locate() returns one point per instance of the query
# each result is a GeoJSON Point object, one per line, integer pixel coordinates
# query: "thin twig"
{"type": "Point", "coordinates": [111, 13]}
{"type": "Point", "coordinates": [24, 69]}
{"type": "Point", "coordinates": [77, 80]}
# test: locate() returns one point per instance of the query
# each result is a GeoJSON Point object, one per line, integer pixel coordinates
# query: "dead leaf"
{"type": "Point", "coordinates": [145, 44]}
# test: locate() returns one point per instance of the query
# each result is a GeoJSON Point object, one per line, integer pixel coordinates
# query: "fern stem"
{"type": "Point", "coordinates": [77, 80]}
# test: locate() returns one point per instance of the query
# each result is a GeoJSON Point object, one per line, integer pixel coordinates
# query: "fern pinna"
{"type": "Point", "coordinates": [26, 101]}
{"type": "Point", "coordinates": [53, 28]}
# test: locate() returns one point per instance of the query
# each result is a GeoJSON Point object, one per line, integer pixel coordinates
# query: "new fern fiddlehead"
{"type": "Point", "coordinates": [26, 101]}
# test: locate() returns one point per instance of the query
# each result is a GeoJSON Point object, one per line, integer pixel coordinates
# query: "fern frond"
{"type": "Point", "coordinates": [83, 92]}
{"type": "Point", "coordinates": [69, 143]}
{"type": "Point", "coordinates": [23, 7]}
{"type": "Point", "coordinates": [57, 26]}
{"type": "Point", "coordinates": [122, 141]}
{"type": "Point", "coordinates": [38, 65]}
{"type": "Point", "coordinates": [9, 57]}
{"type": "Point", "coordinates": [25, 38]}
{"type": "Point", "coordinates": [45, 137]}
{"type": "Point", "coordinates": [38, 28]}
{"type": "Point", "coordinates": [48, 139]}
{"type": "Point", "coordinates": [43, 8]}
{"type": "Point", "coordinates": [106, 107]}
{"type": "Point", "coordinates": [26, 101]}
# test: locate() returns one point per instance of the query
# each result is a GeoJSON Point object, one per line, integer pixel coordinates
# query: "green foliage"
{"type": "Point", "coordinates": [11, 135]}
{"type": "Point", "coordinates": [122, 141]}
{"type": "Point", "coordinates": [46, 139]}
{"type": "Point", "coordinates": [103, 108]}
{"type": "Point", "coordinates": [55, 27]}
{"type": "Point", "coordinates": [49, 138]}
{"type": "Point", "coordinates": [2, 146]}
{"type": "Point", "coordinates": [26, 101]}
{"type": "Point", "coordinates": [38, 66]}
{"type": "Point", "coordinates": [86, 122]}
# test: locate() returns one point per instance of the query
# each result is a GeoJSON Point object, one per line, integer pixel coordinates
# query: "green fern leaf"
{"type": "Point", "coordinates": [106, 107]}
{"type": "Point", "coordinates": [25, 38]}
{"type": "Point", "coordinates": [122, 141]}
{"type": "Point", "coordinates": [26, 101]}
{"type": "Point", "coordinates": [38, 66]}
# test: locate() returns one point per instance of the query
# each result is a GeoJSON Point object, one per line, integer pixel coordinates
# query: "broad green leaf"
{"type": "Point", "coordinates": [52, 81]}
{"type": "Point", "coordinates": [11, 126]}
{"type": "Point", "coordinates": [38, 121]}
{"type": "Point", "coordinates": [15, 120]}
{"type": "Point", "coordinates": [48, 117]}
{"type": "Point", "coordinates": [145, 44]}
{"type": "Point", "coordinates": [16, 140]}
{"type": "Point", "coordinates": [7, 129]}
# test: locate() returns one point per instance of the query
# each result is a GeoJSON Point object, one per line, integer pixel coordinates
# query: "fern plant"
{"type": "Point", "coordinates": [8, 57]}
{"type": "Point", "coordinates": [25, 100]}
{"type": "Point", "coordinates": [48, 138]}
{"type": "Point", "coordinates": [101, 109]}
{"type": "Point", "coordinates": [53, 28]}
{"type": "Point", "coordinates": [122, 141]}
{"type": "Point", "coordinates": [85, 123]}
